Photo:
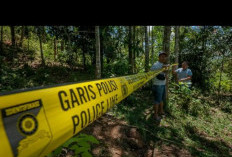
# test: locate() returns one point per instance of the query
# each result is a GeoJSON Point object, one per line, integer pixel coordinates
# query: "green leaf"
{"type": "Point", "coordinates": [57, 151]}
{"type": "Point", "coordinates": [83, 143]}
{"type": "Point", "coordinates": [79, 150]}
{"type": "Point", "coordinates": [90, 138]}
{"type": "Point", "coordinates": [86, 154]}
{"type": "Point", "coordinates": [67, 143]}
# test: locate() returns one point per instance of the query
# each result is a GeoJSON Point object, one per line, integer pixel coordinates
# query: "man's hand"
{"type": "Point", "coordinates": [185, 79]}
{"type": "Point", "coordinates": [166, 67]}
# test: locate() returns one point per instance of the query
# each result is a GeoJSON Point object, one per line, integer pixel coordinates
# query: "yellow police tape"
{"type": "Point", "coordinates": [34, 122]}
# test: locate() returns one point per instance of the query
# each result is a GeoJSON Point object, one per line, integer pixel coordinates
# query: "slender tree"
{"type": "Point", "coordinates": [177, 30]}
{"type": "Point", "coordinates": [146, 50]}
{"type": "Point", "coordinates": [28, 38]}
{"type": "Point", "coordinates": [130, 50]}
{"type": "Point", "coordinates": [166, 48]}
{"type": "Point", "coordinates": [220, 78]}
{"type": "Point", "coordinates": [98, 55]}
{"type": "Point", "coordinates": [62, 45]}
{"type": "Point", "coordinates": [149, 39]}
{"type": "Point", "coordinates": [201, 59]}
{"type": "Point", "coordinates": [83, 51]}
{"type": "Point", "coordinates": [40, 35]}
{"type": "Point", "coordinates": [22, 36]}
{"type": "Point", "coordinates": [152, 46]}
{"type": "Point", "coordinates": [55, 48]}
{"type": "Point", "coordinates": [1, 38]}
{"type": "Point", "coordinates": [12, 29]}
{"type": "Point", "coordinates": [134, 48]}
{"type": "Point", "coordinates": [142, 39]}
{"type": "Point", "coordinates": [101, 29]}
{"type": "Point", "coordinates": [69, 45]}
{"type": "Point", "coordinates": [166, 40]}
{"type": "Point", "coordinates": [83, 45]}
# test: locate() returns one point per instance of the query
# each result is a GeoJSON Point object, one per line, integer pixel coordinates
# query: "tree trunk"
{"type": "Point", "coordinates": [166, 40]}
{"type": "Point", "coordinates": [149, 40]}
{"type": "Point", "coordinates": [201, 62]}
{"type": "Point", "coordinates": [28, 41]}
{"type": "Point", "coordinates": [130, 50]}
{"type": "Point", "coordinates": [101, 53]}
{"type": "Point", "coordinates": [98, 55]}
{"type": "Point", "coordinates": [62, 45]}
{"type": "Point", "coordinates": [177, 30]}
{"type": "Point", "coordinates": [220, 79]}
{"type": "Point", "coordinates": [134, 47]}
{"type": "Point", "coordinates": [22, 36]}
{"type": "Point", "coordinates": [146, 50]}
{"type": "Point", "coordinates": [41, 45]}
{"type": "Point", "coordinates": [55, 48]}
{"type": "Point", "coordinates": [142, 39]}
{"type": "Point", "coordinates": [101, 46]}
{"type": "Point", "coordinates": [1, 38]}
{"type": "Point", "coordinates": [83, 53]}
{"type": "Point", "coordinates": [69, 47]}
{"type": "Point", "coordinates": [12, 29]}
{"type": "Point", "coordinates": [152, 47]}
{"type": "Point", "coordinates": [166, 48]}
{"type": "Point", "coordinates": [137, 44]}
{"type": "Point", "coordinates": [41, 50]}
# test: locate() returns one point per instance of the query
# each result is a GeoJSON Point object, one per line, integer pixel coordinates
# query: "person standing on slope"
{"type": "Point", "coordinates": [159, 86]}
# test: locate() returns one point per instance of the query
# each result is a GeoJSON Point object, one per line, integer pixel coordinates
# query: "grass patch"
{"type": "Point", "coordinates": [192, 123]}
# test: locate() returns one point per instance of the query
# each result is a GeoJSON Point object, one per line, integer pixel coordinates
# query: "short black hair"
{"type": "Point", "coordinates": [162, 53]}
{"type": "Point", "coordinates": [186, 62]}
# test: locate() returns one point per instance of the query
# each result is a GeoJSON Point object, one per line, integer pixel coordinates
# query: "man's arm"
{"type": "Point", "coordinates": [189, 76]}
{"type": "Point", "coordinates": [154, 67]}
{"type": "Point", "coordinates": [185, 79]}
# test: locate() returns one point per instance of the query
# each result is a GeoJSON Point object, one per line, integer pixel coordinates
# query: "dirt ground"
{"type": "Point", "coordinates": [118, 139]}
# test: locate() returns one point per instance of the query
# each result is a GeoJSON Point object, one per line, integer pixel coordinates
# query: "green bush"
{"type": "Point", "coordinates": [117, 68]}
{"type": "Point", "coordinates": [80, 145]}
{"type": "Point", "coordinates": [187, 100]}
{"type": "Point", "coordinates": [196, 107]}
{"type": "Point", "coordinates": [227, 107]}
{"type": "Point", "coordinates": [62, 57]}
{"type": "Point", "coordinates": [120, 67]}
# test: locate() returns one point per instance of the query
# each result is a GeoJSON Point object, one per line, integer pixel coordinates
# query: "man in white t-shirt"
{"type": "Point", "coordinates": [158, 87]}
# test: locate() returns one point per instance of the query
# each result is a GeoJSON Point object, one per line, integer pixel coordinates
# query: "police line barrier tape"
{"type": "Point", "coordinates": [34, 122]}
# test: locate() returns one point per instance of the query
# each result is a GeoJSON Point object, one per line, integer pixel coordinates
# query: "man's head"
{"type": "Point", "coordinates": [185, 65]}
{"type": "Point", "coordinates": [162, 57]}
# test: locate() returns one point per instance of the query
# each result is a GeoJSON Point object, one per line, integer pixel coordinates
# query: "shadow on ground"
{"type": "Point", "coordinates": [137, 111]}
